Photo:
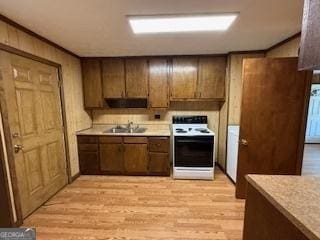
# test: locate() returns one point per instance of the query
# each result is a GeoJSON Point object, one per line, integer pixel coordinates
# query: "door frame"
{"type": "Point", "coordinates": [313, 83]}
{"type": "Point", "coordinates": [7, 136]}
{"type": "Point", "coordinates": [304, 121]}
{"type": "Point", "coordinates": [5, 200]}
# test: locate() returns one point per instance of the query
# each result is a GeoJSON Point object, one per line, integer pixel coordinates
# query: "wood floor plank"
{"type": "Point", "coordinates": [311, 160]}
{"type": "Point", "coordinates": [138, 208]}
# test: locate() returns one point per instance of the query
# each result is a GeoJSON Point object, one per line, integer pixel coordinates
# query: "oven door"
{"type": "Point", "coordinates": [193, 151]}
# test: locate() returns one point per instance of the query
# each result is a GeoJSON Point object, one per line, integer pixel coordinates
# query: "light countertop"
{"type": "Point", "coordinates": [152, 130]}
{"type": "Point", "coordinates": [297, 197]}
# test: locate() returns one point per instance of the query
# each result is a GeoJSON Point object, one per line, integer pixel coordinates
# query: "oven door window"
{"type": "Point", "coordinates": [193, 151]}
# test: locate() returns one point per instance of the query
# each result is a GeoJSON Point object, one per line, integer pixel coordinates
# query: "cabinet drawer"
{"type": "Point", "coordinates": [159, 144]}
{"type": "Point", "coordinates": [135, 140]}
{"type": "Point", "coordinates": [110, 139]}
{"type": "Point", "coordinates": [88, 147]}
{"type": "Point", "coordinates": [159, 164]}
{"type": "Point", "coordinates": [87, 139]}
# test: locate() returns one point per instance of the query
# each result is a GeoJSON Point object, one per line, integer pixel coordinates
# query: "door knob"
{"type": "Point", "coordinates": [243, 142]}
{"type": "Point", "coordinates": [17, 148]}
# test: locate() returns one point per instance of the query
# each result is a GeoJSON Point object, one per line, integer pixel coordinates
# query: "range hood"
{"type": "Point", "coordinates": [127, 102]}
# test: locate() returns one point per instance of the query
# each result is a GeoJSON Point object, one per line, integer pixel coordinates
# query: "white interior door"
{"type": "Point", "coordinates": [313, 124]}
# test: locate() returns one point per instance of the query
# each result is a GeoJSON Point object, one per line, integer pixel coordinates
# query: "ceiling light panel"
{"type": "Point", "coordinates": [181, 23]}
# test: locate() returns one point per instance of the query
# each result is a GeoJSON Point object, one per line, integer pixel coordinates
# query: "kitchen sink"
{"type": "Point", "coordinates": [120, 129]}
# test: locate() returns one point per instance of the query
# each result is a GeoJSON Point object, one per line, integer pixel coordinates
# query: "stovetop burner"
{"type": "Point", "coordinates": [180, 130]}
{"type": "Point", "coordinates": [202, 130]}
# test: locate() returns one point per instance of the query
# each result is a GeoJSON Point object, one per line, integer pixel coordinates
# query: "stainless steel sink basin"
{"type": "Point", "coordinates": [120, 129]}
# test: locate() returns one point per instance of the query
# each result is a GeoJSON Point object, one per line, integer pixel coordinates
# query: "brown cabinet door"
{"type": "Point", "coordinates": [184, 78]}
{"type": "Point", "coordinates": [273, 118]}
{"type": "Point", "coordinates": [89, 162]}
{"type": "Point", "coordinates": [158, 83]}
{"type": "Point", "coordinates": [113, 78]}
{"type": "Point", "coordinates": [92, 83]}
{"type": "Point", "coordinates": [159, 164]}
{"type": "Point", "coordinates": [137, 78]}
{"type": "Point", "coordinates": [309, 56]}
{"type": "Point", "coordinates": [211, 82]}
{"type": "Point", "coordinates": [136, 158]}
{"type": "Point", "coordinates": [111, 158]}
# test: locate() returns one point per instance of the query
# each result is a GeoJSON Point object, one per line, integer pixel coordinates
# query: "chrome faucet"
{"type": "Point", "coordinates": [130, 124]}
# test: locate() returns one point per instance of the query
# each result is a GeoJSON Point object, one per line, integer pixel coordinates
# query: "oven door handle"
{"type": "Point", "coordinates": [193, 141]}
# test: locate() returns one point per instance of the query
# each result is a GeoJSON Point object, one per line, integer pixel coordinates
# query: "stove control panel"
{"type": "Point", "coordinates": [189, 119]}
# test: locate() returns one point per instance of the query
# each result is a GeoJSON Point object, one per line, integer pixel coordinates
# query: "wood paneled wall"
{"type": "Point", "coordinates": [77, 118]}
{"type": "Point", "coordinates": [289, 49]}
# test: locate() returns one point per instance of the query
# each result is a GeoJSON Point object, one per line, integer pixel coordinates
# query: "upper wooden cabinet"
{"type": "Point", "coordinates": [158, 83]}
{"type": "Point", "coordinates": [113, 78]}
{"type": "Point", "coordinates": [211, 81]}
{"type": "Point", "coordinates": [136, 78]}
{"type": "Point", "coordinates": [92, 83]}
{"type": "Point", "coordinates": [199, 78]}
{"type": "Point", "coordinates": [184, 78]}
{"type": "Point", "coordinates": [309, 57]}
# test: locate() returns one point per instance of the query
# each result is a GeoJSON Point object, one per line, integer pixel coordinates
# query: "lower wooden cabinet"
{"type": "Point", "coordinates": [111, 158]}
{"type": "Point", "coordinates": [89, 162]}
{"type": "Point", "coordinates": [136, 158]}
{"type": "Point", "coordinates": [159, 164]}
{"type": "Point", "coordinates": [124, 155]}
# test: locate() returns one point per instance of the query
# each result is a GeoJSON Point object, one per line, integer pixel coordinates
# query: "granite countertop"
{"type": "Point", "coordinates": [152, 130]}
{"type": "Point", "coordinates": [297, 197]}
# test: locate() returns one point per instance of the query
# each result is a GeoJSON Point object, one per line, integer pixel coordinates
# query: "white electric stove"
{"type": "Point", "coordinates": [193, 148]}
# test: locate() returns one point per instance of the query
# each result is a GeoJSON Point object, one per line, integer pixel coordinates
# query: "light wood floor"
{"type": "Point", "coordinates": [311, 159]}
{"type": "Point", "coordinates": [146, 208]}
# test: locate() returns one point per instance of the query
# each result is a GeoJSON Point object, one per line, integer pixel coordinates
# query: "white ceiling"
{"type": "Point", "coordinates": [100, 27]}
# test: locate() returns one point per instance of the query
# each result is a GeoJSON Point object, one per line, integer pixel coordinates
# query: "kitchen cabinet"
{"type": "Point", "coordinates": [124, 155]}
{"type": "Point", "coordinates": [159, 163]}
{"type": "Point", "coordinates": [88, 150]}
{"type": "Point", "coordinates": [200, 78]}
{"type": "Point", "coordinates": [269, 213]}
{"type": "Point", "coordinates": [158, 83]}
{"type": "Point", "coordinates": [309, 57]}
{"type": "Point", "coordinates": [92, 83]}
{"type": "Point", "coordinates": [136, 158]}
{"type": "Point", "coordinates": [136, 77]}
{"type": "Point", "coordinates": [184, 78]}
{"type": "Point", "coordinates": [158, 79]}
{"type": "Point", "coordinates": [211, 81]}
{"type": "Point", "coordinates": [113, 78]}
{"type": "Point", "coordinates": [111, 155]}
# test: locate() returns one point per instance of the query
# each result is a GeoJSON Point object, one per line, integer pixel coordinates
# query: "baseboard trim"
{"type": "Point", "coordinates": [73, 178]}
